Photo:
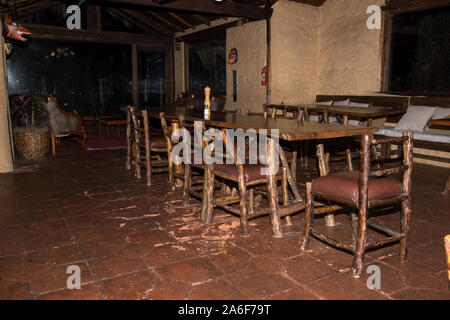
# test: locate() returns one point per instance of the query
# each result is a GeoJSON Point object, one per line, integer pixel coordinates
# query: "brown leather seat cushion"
{"type": "Point", "coordinates": [158, 141]}
{"type": "Point", "coordinates": [252, 171]}
{"type": "Point", "coordinates": [345, 185]}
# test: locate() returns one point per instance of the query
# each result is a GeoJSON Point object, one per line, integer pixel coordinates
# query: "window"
{"type": "Point", "coordinates": [419, 52]}
{"type": "Point", "coordinates": [90, 78]}
{"type": "Point", "coordinates": [207, 66]}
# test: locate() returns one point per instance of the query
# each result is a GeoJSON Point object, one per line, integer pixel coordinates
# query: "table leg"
{"type": "Point", "coordinates": [348, 150]}
{"type": "Point", "coordinates": [272, 191]}
{"type": "Point", "coordinates": [323, 171]}
{"type": "Point", "coordinates": [290, 179]}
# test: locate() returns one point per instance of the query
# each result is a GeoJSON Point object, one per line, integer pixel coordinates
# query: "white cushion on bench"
{"type": "Point", "coordinates": [418, 135]}
{"type": "Point", "coordinates": [441, 113]}
{"type": "Point", "coordinates": [416, 118]}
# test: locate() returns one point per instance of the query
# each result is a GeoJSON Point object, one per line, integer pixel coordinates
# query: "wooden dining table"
{"type": "Point", "coordinates": [289, 130]}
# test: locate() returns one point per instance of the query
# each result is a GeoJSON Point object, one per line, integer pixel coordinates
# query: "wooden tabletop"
{"type": "Point", "coordinates": [289, 129]}
{"type": "Point", "coordinates": [361, 112]}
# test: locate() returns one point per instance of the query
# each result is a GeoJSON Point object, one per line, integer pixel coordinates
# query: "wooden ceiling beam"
{"type": "Point", "coordinates": [144, 18]}
{"type": "Point", "coordinates": [62, 33]}
{"type": "Point", "coordinates": [203, 19]}
{"type": "Point", "coordinates": [203, 7]}
{"type": "Point", "coordinates": [395, 6]}
{"type": "Point", "coordinates": [123, 16]}
{"type": "Point", "coordinates": [31, 7]}
{"type": "Point", "coordinates": [164, 20]}
{"type": "Point", "coordinates": [183, 21]}
{"type": "Point", "coordinates": [316, 3]}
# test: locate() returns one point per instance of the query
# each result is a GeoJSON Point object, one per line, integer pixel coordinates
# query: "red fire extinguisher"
{"type": "Point", "coordinates": [264, 74]}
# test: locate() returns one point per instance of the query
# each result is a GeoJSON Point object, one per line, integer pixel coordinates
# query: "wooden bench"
{"type": "Point", "coordinates": [391, 102]}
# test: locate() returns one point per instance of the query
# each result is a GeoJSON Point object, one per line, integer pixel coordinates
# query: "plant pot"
{"type": "Point", "coordinates": [32, 143]}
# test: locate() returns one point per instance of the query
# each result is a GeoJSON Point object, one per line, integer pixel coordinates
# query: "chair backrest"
{"type": "Point", "coordinates": [272, 110]}
{"type": "Point", "coordinates": [404, 167]}
{"type": "Point", "coordinates": [140, 125]}
{"type": "Point", "coordinates": [60, 120]}
{"type": "Point", "coordinates": [218, 103]}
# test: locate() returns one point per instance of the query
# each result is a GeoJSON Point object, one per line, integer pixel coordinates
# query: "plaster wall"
{"type": "Point", "coordinates": [294, 44]}
{"type": "Point", "coordinates": [250, 41]}
{"type": "Point", "coordinates": [349, 54]}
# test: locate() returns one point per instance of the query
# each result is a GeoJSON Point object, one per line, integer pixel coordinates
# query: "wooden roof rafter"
{"type": "Point", "coordinates": [208, 7]}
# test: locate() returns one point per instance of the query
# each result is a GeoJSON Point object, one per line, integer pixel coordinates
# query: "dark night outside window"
{"type": "Point", "coordinates": [207, 66]}
{"type": "Point", "coordinates": [420, 52]}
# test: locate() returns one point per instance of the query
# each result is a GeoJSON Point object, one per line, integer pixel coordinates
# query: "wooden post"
{"type": "Point", "coordinates": [6, 151]}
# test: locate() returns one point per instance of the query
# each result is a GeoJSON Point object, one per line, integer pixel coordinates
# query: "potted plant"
{"type": "Point", "coordinates": [31, 134]}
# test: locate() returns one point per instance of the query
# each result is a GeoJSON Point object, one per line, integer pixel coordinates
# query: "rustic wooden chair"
{"type": "Point", "coordinates": [144, 144]}
{"type": "Point", "coordinates": [272, 110]}
{"type": "Point", "coordinates": [130, 138]}
{"type": "Point", "coordinates": [192, 182]}
{"type": "Point", "coordinates": [62, 123]}
{"type": "Point", "coordinates": [247, 177]}
{"type": "Point", "coordinates": [362, 191]}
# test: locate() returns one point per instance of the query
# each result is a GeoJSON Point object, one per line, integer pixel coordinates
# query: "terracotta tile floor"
{"type": "Point", "coordinates": [136, 242]}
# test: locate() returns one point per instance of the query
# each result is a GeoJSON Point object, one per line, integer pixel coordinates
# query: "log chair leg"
{"type": "Point", "coordinates": [251, 201]}
{"type": "Point", "coordinates": [405, 226]}
{"type": "Point", "coordinates": [148, 155]}
{"type": "Point", "coordinates": [273, 206]}
{"type": "Point", "coordinates": [284, 190]}
{"type": "Point", "coordinates": [83, 141]}
{"type": "Point", "coordinates": [294, 166]}
{"type": "Point", "coordinates": [354, 223]}
{"type": "Point", "coordinates": [170, 168]}
{"type": "Point", "coordinates": [187, 184]}
{"type": "Point", "coordinates": [53, 144]}
{"type": "Point", "coordinates": [243, 204]}
{"type": "Point", "coordinates": [358, 258]}
{"type": "Point", "coordinates": [205, 200]}
{"type": "Point", "coordinates": [210, 207]}
{"type": "Point", "coordinates": [309, 218]}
